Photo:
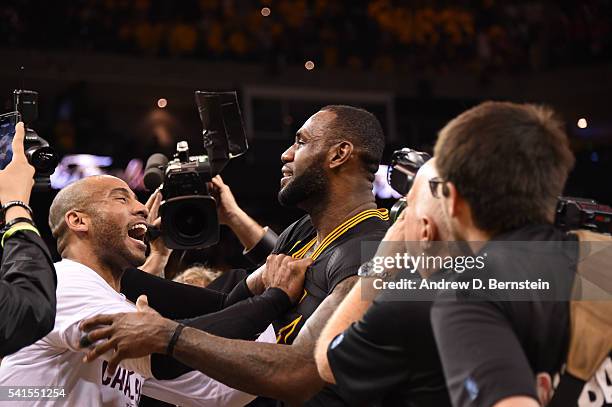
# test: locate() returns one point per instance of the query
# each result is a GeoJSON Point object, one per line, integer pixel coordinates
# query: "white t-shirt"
{"type": "Point", "coordinates": [56, 360]}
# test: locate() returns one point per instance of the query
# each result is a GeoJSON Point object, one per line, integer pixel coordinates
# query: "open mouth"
{"type": "Point", "coordinates": [137, 232]}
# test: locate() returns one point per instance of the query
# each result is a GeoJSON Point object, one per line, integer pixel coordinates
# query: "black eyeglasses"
{"type": "Point", "coordinates": [433, 186]}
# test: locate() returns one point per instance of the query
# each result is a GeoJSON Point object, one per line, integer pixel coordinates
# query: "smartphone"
{"type": "Point", "coordinates": [7, 132]}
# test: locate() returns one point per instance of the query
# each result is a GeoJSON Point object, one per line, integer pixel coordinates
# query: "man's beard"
{"type": "Point", "coordinates": [310, 186]}
{"type": "Point", "coordinates": [110, 244]}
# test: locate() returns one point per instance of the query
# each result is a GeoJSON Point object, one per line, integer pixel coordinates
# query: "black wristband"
{"type": "Point", "coordinates": [10, 204]}
{"type": "Point", "coordinates": [174, 339]}
{"type": "Point", "coordinates": [15, 221]}
{"type": "Point", "coordinates": [258, 253]}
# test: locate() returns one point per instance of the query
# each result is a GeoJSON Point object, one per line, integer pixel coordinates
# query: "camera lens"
{"type": "Point", "coordinates": [190, 221]}
{"type": "Point", "coordinates": [44, 159]}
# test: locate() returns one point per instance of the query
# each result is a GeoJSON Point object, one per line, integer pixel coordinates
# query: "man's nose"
{"type": "Point", "coordinates": [287, 156]}
{"type": "Point", "coordinates": [141, 210]}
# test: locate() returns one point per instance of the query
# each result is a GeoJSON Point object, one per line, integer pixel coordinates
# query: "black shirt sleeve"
{"type": "Point", "coordinates": [482, 357]}
{"type": "Point", "coordinates": [390, 351]}
{"type": "Point", "coordinates": [27, 292]}
{"type": "Point", "coordinates": [244, 320]}
{"type": "Point", "coordinates": [226, 282]}
{"type": "Point", "coordinates": [175, 300]}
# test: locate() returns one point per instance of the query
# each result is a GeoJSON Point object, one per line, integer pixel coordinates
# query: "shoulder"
{"type": "Point", "coordinates": [73, 275]}
{"type": "Point", "coordinates": [79, 288]}
{"type": "Point", "coordinates": [298, 230]}
{"type": "Point", "coordinates": [358, 246]}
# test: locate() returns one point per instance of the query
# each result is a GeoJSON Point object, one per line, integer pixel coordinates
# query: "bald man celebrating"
{"type": "Point", "coordinates": [99, 226]}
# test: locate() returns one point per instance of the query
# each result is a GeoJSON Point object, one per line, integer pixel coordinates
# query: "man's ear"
{"type": "Point", "coordinates": [77, 221]}
{"type": "Point", "coordinates": [428, 230]}
{"type": "Point", "coordinates": [340, 153]}
{"type": "Point", "coordinates": [544, 387]}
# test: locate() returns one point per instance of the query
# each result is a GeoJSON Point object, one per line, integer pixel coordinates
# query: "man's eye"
{"type": "Point", "coordinates": [122, 199]}
{"type": "Point", "coordinates": [299, 142]}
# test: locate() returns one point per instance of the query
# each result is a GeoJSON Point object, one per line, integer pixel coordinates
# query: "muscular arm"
{"type": "Point", "coordinates": [350, 310]}
{"type": "Point", "coordinates": [279, 371]}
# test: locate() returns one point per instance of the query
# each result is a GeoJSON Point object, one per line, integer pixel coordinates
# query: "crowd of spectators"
{"type": "Point", "coordinates": [383, 35]}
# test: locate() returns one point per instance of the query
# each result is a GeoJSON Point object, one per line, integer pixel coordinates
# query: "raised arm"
{"type": "Point", "coordinates": [27, 276]}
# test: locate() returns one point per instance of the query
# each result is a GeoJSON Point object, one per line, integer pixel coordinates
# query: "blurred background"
{"type": "Point", "coordinates": [116, 79]}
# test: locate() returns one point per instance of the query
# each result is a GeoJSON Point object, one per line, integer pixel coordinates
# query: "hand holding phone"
{"type": "Point", "coordinates": [8, 121]}
{"type": "Point", "coordinates": [17, 178]}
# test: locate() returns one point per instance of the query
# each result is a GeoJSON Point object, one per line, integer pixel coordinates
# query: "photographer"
{"type": "Point", "coordinates": [496, 345]}
{"type": "Point", "coordinates": [28, 281]}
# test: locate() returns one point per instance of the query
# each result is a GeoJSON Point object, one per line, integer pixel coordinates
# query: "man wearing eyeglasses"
{"type": "Point", "coordinates": [502, 166]}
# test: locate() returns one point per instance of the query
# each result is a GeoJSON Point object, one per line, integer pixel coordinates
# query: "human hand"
{"type": "Point", "coordinates": [17, 179]}
{"type": "Point", "coordinates": [286, 273]}
{"type": "Point", "coordinates": [158, 247]}
{"type": "Point", "coordinates": [130, 335]}
{"type": "Point", "coordinates": [227, 207]}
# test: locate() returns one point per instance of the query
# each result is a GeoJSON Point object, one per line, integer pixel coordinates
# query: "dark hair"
{"type": "Point", "coordinates": [509, 162]}
{"type": "Point", "coordinates": [362, 129]}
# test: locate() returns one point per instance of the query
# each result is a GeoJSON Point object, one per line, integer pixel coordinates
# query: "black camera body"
{"type": "Point", "coordinates": [188, 211]}
{"type": "Point", "coordinates": [40, 155]}
{"type": "Point", "coordinates": [405, 163]}
{"type": "Point", "coordinates": [581, 213]}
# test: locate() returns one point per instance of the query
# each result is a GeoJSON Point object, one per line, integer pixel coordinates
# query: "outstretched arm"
{"type": "Point", "coordinates": [279, 371]}
{"type": "Point", "coordinates": [285, 372]}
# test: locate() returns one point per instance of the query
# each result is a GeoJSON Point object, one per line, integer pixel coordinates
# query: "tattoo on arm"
{"type": "Point", "coordinates": [284, 372]}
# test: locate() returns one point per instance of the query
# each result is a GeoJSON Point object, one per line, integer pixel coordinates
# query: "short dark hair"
{"type": "Point", "coordinates": [509, 162]}
{"type": "Point", "coordinates": [362, 129]}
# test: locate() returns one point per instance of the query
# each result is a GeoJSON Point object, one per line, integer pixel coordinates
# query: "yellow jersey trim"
{"type": "Point", "coordinates": [329, 239]}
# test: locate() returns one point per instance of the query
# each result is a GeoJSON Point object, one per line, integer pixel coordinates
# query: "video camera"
{"type": "Point", "coordinates": [582, 213]}
{"type": "Point", "coordinates": [405, 163]}
{"type": "Point", "coordinates": [188, 211]}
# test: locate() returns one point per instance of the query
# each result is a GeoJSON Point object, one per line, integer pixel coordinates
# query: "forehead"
{"type": "Point", "coordinates": [318, 124]}
{"type": "Point", "coordinates": [108, 185]}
